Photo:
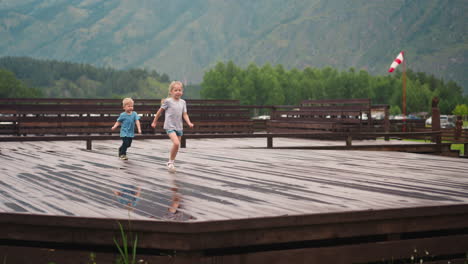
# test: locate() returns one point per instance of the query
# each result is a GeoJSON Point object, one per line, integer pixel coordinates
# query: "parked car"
{"type": "Point", "coordinates": [413, 117]}
{"type": "Point", "coordinates": [397, 117]}
{"type": "Point", "coordinates": [378, 116]}
{"type": "Point", "coordinates": [445, 122]}
{"type": "Point", "coordinates": [429, 122]}
{"type": "Point", "coordinates": [262, 117]}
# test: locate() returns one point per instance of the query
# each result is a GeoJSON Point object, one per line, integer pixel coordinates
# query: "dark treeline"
{"type": "Point", "coordinates": [268, 85]}
{"type": "Point", "coordinates": [51, 78]}
{"type": "Point", "coordinates": [254, 85]}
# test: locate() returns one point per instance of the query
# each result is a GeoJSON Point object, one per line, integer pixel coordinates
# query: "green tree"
{"type": "Point", "coordinates": [294, 88]}
{"type": "Point", "coordinates": [11, 87]}
{"type": "Point", "coordinates": [235, 89]}
{"type": "Point", "coordinates": [78, 80]}
{"type": "Point", "coordinates": [215, 84]}
{"type": "Point", "coordinates": [395, 110]}
{"type": "Point", "coordinates": [8, 84]}
{"type": "Point", "coordinates": [461, 110]}
{"type": "Point", "coordinates": [268, 85]}
{"type": "Point", "coordinates": [418, 97]}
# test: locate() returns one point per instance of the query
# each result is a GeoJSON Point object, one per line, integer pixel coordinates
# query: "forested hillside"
{"type": "Point", "coordinates": [254, 85]}
{"type": "Point", "coordinates": [268, 85]}
{"type": "Point", "coordinates": [185, 38]}
{"type": "Point", "coordinates": [51, 78]}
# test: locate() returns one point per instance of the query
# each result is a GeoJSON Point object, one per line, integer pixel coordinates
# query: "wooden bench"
{"type": "Point", "coordinates": [96, 116]}
{"type": "Point", "coordinates": [338, 115]}
{"type": "Point", "coordinates": [88, 120]}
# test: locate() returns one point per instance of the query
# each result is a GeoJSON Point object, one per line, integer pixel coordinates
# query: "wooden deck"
{"type": "Point", "coordinates": [220, 179]}
{"type": "Point", "coordinates": [231, 201]}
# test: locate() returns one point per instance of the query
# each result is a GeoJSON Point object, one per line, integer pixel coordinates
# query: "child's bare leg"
{"type": "Point", "coordinates": [175, 145]}
{"type": "Point", "coordinates": [175, 204]}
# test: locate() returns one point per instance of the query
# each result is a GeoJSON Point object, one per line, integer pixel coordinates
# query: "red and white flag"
{"type": "Point", "coordinates": [396, 62]}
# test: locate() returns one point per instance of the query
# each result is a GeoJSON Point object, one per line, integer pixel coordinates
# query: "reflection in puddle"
{"type": "Point", "coordinates": [162, 201]}
{"type": "Point", "coordinates": [175, 211]}
{"type": "Point", "coordinates": [128, 195]}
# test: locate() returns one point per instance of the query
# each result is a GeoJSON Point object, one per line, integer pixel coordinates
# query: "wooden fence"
{"type": "Point", "coordinates": [96, 116]}
{"type": "Point", "coordinates": [91, 119]}
{"type": "Point", "coordinates": [339, 115]}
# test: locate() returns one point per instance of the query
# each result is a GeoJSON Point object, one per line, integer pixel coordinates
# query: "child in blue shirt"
{"type": "Point", "coordinates": [127, 120]}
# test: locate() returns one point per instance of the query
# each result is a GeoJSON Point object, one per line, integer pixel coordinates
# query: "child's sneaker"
{"type": "Point", "coordinates": [125, 157]}
{"type": "Point", "coordinates": [171, 167]}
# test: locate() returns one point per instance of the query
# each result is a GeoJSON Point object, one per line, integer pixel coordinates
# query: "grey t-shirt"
{"type": "Point", "coordinates": [173, 113]}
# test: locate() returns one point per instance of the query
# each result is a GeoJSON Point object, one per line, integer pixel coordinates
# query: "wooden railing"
{"type": "Point", "coordinates": [25, 117]}
{"type": "Point", "coordinates": [91, 119]}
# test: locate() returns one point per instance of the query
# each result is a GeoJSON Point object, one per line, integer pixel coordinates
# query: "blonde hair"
{"type": "Point", "coordinates": [173, 83]}
{"type": "Point", "coordinates": [127, 101]}
{"type": "Point", "coordinates": [171, 86]}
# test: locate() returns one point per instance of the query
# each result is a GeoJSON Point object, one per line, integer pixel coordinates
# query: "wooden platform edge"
{"type": "Point", "coordinates": [442, 230]}
{"type": "Point", "coordinates": [227, 233]}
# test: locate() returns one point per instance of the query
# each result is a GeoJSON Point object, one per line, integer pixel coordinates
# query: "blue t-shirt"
{"type": "Point", "coordinates": [127, 124]}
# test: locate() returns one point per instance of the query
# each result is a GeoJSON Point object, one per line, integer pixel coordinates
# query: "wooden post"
{"type": "Point", "coordinates": [349, 141]}
{"type": "Point", "coordinates": [369, 116]}
{"type": "Point", "coordinates": [88, 144]}
{"type": "Point", "coordinates": [183, 143]}
{"type": "Point", "coordinates": [269, 141]}
{"type": "Point", "coordinates": [387, 122]}
{"type": "Point", "coordinates": [436, 120]}
{"type": "Point", "coordinates": [458, 127]}
{"type": "Point", "coordinates": [403, 97]}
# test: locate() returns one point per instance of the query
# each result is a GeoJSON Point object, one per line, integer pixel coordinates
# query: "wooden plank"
{"type": "Point", "coordinates": [24, 255]}
{"type": "Point", "coordinates": [384, 234]}
{"type": "Point", "coordinates": [105, 101]}
{"type": "Point", "coordinates": [206, 163]}
{"type": "Point", "coordinates": [314, 113]}
{"type": "Point", "coordinates": [303, 125]}
{"type": "Point", "coordinates": [63, 124]}
{"type": "Point", "coordinates": [338, 101]}
{"type": "Point", "coordinates": [64, 130]}
{"type": "Point", "coordinates": [291, 201]}
{"type": "Point", "coordinates": [75, 119]}
{"type": "Point", "coordinates": [383, 252]}
{"type": "Point", "coordinates": [351, 228]}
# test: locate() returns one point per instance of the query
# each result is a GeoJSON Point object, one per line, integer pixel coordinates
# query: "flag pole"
{"type": "Point", "coordinates": [403, 97]}
{"type": "Point", "coordinates": [398, 60]}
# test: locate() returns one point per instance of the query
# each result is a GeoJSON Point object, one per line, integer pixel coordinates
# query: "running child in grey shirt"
{"type": "Point", "coordinates": [175, 109]}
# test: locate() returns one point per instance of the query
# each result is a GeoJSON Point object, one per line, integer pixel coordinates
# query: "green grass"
{"type": "Point", "coordinates": [126, 257]}
{"type": "Point", "coordinates": [416, 140]}
{"type": "Point", "coordinates": [460, 147]}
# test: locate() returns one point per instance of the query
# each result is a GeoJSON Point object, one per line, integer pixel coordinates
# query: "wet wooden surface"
{"type": "Point", "coordinates": [219, 179]}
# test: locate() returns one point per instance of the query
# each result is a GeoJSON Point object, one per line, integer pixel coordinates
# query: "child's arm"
{"type": "Point", "coordinates": [156, 117]}
{"type": "Point", "coordinates": [116, 125]}
{"type": "Point", "coordinates": [187, 119]}
{"type": "Point", "coordinates": [137, 122]}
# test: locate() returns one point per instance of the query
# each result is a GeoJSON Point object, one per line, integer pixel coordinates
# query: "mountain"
{"type": "Point", "coordinates": [184, 38]}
